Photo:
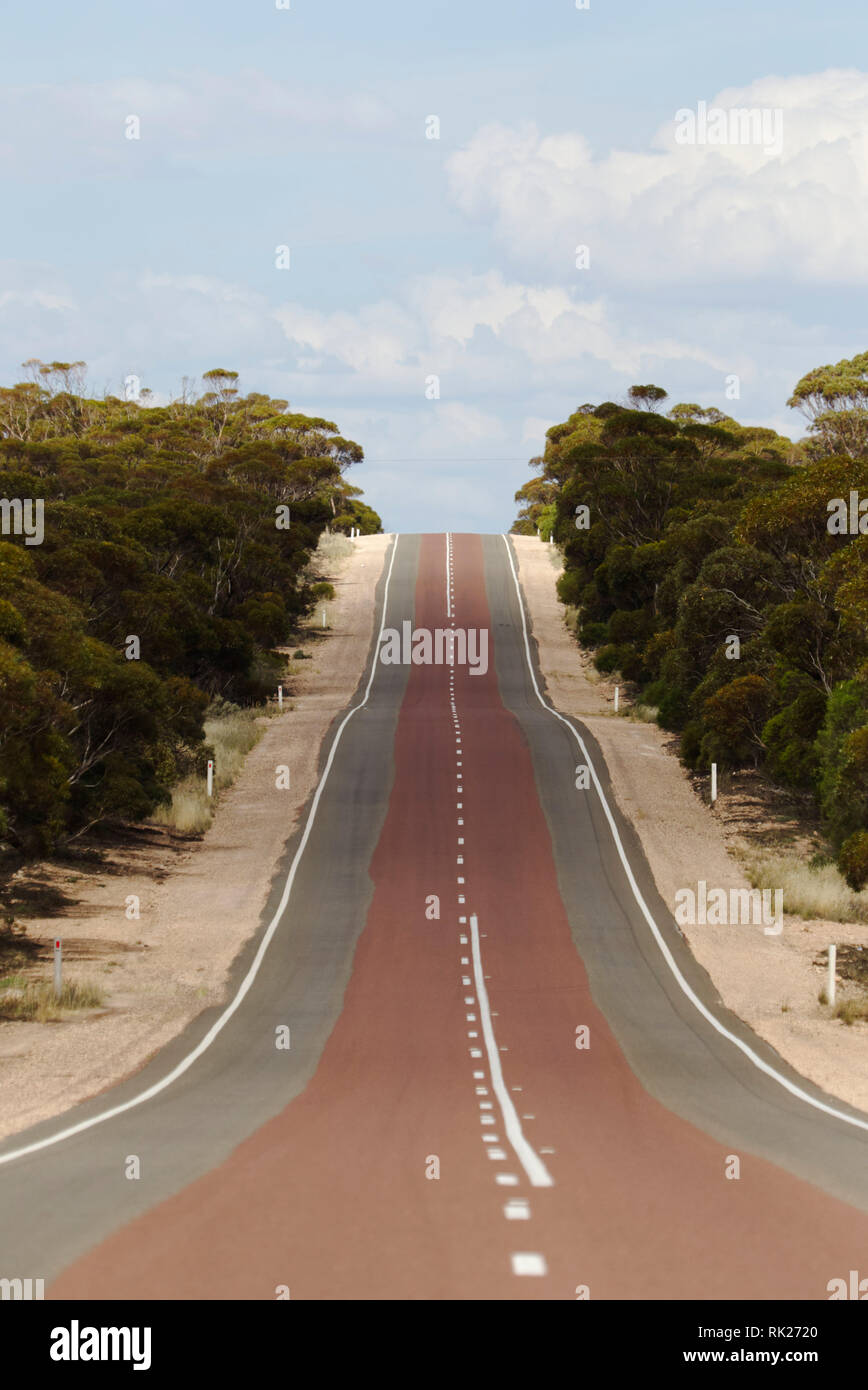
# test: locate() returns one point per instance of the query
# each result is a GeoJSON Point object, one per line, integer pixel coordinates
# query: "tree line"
{"type": "Point", "coordinates": [723, 569]}
{"type": "Point", "coordinates": [171, 564]}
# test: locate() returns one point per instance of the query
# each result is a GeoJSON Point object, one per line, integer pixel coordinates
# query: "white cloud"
{"type": "Point", "coordinates": [74, 128]}
{"type": "Point", "coordinates": [681, 211]}
{"type": "Point", "coordinates": [481, 334]}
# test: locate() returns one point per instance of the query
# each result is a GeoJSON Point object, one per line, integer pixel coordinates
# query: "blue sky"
{"type": "Point", "coordinates": [453, 257]}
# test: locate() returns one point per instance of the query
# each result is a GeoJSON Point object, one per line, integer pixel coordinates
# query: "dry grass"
{"type": "Point", "coordinates": [852, 1011]}
{"type": "Point", "coordinates": [333, 545]}
{"type": "Point", "coordinates": [810, 890]}
{"type": "Point", "coordinates": [645, 714]}
{"type": "Point", "coordinates": [232, 734]}
{"type": "Point", "coordinates": [23, 1001]}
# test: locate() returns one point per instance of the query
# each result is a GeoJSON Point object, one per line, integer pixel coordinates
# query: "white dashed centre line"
{"type": "Point", "coordinates": [530, 1161]}
{"type": "Point", "coordinates": [527, 1263]}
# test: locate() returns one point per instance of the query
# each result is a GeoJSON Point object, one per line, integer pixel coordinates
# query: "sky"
{"type": "Point", "coordinates": [436, 306]}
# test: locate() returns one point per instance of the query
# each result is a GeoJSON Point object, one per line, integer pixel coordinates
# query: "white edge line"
{"type": "Point", "coordinates": [530, 1161]}
{"type": "Point", "coordinates": [664, 949]}
{"type": "Point", "coordinates": [218, 1026]}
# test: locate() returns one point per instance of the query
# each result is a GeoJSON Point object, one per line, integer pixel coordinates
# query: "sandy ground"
{"type": "Point", "coordinates": [200, 901]}
{"type": "Point", "coordinates": [770, 982]}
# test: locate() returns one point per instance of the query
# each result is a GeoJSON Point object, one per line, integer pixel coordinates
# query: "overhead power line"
{"type": "Point", "coordinates": [523, 459]}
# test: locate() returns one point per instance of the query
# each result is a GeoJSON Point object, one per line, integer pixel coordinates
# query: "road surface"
{"type": "Point", "coordinates": [459, 917]}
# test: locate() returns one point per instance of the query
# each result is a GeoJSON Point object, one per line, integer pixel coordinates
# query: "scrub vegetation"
{"type": "Point", "coordinates": [723, 570]}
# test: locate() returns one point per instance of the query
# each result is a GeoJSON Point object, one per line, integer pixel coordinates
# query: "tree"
{"type": "Point", "coordinates": [161, 524]}
{"type": "Point", "coordinates": [834, 399]}
{"type": "Point", "coordinates": [646, 397]}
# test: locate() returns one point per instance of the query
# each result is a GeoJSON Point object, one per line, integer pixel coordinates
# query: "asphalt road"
{"type": "Point", "coordinates": [459, 913]}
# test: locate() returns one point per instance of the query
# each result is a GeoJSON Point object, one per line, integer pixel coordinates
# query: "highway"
{"type": "Point", "coordinates": [453, 916]}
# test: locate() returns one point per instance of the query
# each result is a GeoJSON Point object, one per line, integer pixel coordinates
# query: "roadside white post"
{"type": "Point", "coordinates": [617, 695]}
{"type": "Point", "coordinates": [713, 783]}
{"type": "Point", "coordinates": [280, 697]}
{"type": "Point", "coordinates": [58, 968]}
{"type": "Point", "coordinates": [551, 539]}
{"type": "Point", "coordinates": [830, 985]}
{"type": "Point", "coordinates": [210, 777]}
{"type": "Point", "coordinates": [323, 617]}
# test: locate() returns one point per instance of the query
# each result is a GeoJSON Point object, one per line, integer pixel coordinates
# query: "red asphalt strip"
{"type": "Point", "coordinates": [331, 1198]}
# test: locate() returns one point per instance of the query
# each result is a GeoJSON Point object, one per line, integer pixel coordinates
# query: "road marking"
{"type": "Point", "coordinates": [246, 984]}
{"type": "Point", "coordinates": [526, 1263]}
{"type": "Point", "coordinates": [719, 1027]}
{"type": "Point", "coordinates": [448, 575]}
{"type": "Point", "coordinates": [529, 1160]}
{"type": "Point", "coordinates": [517, 1209]}
{"type": "Point", "coordinates": [506, 1179]}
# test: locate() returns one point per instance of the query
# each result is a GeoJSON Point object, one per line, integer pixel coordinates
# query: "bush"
{"type": "Point", "coordinates": [608, 659]}
{"type": "Point", "coordinates": [570, 586]}
{"type": "Point", "coordinates": [593, 634]}
{"type": "Point", "coordinates": [842, 799]}
{"type": "Point", "coordinates": [670, 702]}
{"type": "Point", "coordinates": [853, 860]}
{"type": "Point", "coordinates": [790, 738]}
{"type": "Point", "coordinates": [734, 718]}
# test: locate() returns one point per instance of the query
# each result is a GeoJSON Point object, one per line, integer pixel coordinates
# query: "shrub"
{"type": "Point", "coordinates": [853, 860]}
{"type": "Point", "coordinates": [608, 659]}
{"type": "Point", "coordinates": [593, 634]}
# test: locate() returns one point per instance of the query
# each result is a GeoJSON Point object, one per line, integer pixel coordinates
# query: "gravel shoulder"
{"type": "Point", "coordinates": [199, 900]}
{"type": "Point", "coordinates": [773, 983]}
